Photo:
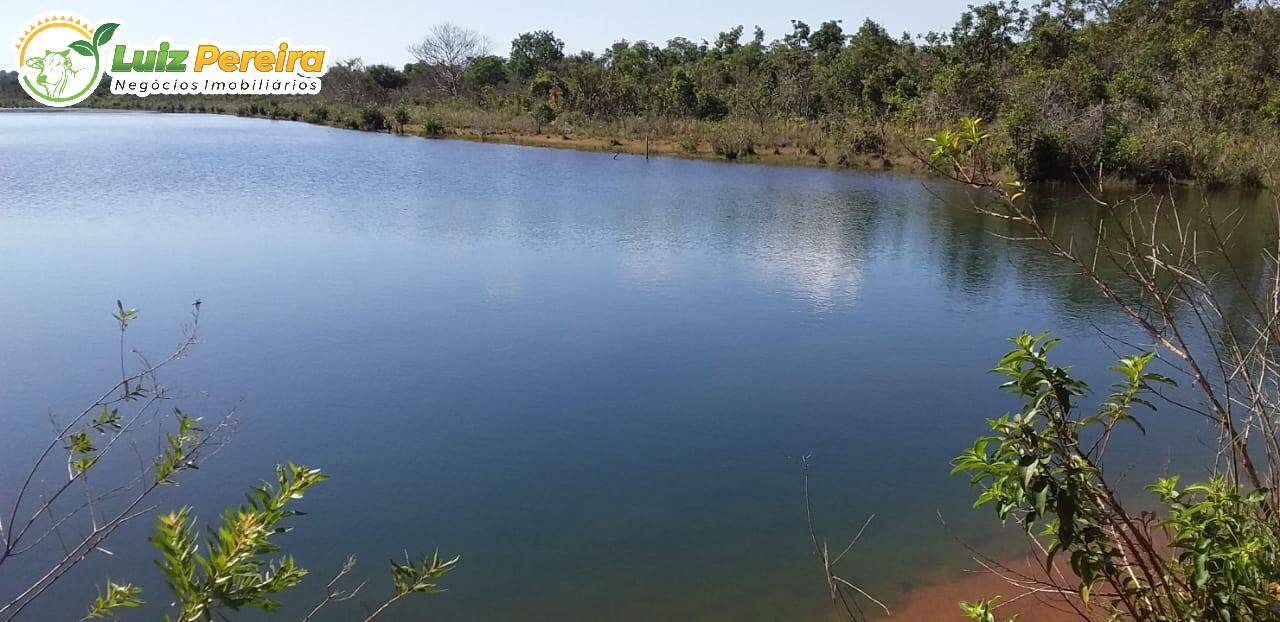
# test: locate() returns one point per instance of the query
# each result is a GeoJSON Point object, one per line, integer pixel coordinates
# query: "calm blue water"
{"type": "Point", "coordinates": [588, 376]}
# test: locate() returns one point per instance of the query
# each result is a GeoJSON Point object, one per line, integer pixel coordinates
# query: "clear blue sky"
{"type": "Point", "coordinates": [379, 30]}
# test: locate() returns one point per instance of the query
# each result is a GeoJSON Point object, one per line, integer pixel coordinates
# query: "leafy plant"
{"type": "Point", "coordinates": [1228, 556]}
{"type": "Point", "coordinates": [432, 128]}
{"type": "Point", "coordinates": [1043, 465]}
{"type": "Point", "coordinates": [1041, 468]}
{"type": "Point", "coordinates": [401, 117]}
{"type": "Point", "coordinates": [114, 596]}
{"type": "Point", "coordinates": [983, 610]}
{"type": "Point", "coordinates": [960, 150]}
{"type": "Point", "coordinates": [236, 566]}
{"type": "Point", "coordinates": [372, 119]}
{"type": "Point", "coordinates": [234, 573]}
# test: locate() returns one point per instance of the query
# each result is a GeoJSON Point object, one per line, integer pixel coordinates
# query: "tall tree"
{"type": "Point", "coordinates": [448, 50]}
{"type": "Point", "coordinates": [535, 51]}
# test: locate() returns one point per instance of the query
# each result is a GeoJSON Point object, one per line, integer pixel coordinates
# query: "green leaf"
{"type": "Point", "coordinates": [83, 464]}
{"type": "Point", "coordinates": [80, 443]}
{"type": "Point", "coordinates": [103, 34]}
{"type": "Point", "coordinates": [1201, 573]}
{"type": "Point", "coordinates": [115, 596]}
{"type": "Point", "coordinates": [82, 47]}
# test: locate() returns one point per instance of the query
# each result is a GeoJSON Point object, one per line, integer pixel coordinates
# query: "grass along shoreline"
{"type": "Point", "coordinates": [775, 143]}
{"type": "Point", "coordinates": [783, 149]}
{"type": "Point", "coordinates": [880, 149]}
{"type": "Point", "coordinates": [1239, 161]}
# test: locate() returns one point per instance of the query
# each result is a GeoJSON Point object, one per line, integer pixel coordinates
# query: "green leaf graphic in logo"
{"type": "Point", "coordinates": [103, 34]}
{"type": "Point", "coordinates": [82, 47]}
{"type": "Point", "coordinates": [58, 71]}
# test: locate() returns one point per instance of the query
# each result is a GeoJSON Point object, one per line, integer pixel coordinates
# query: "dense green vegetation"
{"type": "Point", "coordinates": [1042, 469]}
{"type": "Point", "coordinates": [1211, 553]}
{"type": "Point", "coordinates": [1143, 89]}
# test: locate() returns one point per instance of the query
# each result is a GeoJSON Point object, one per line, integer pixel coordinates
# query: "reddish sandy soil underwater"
{"type": "Point", "coordinates": [939, 603]}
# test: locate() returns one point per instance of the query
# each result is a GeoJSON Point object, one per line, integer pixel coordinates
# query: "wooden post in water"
{"type": "Point", "coordinates": [646, 147]}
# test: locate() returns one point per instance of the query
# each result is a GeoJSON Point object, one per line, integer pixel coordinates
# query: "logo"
{"type": "Point", "coordinates": [62, 58]}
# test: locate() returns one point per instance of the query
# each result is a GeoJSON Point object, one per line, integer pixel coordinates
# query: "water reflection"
{"type": "Point", "coordinates": [586, 374]}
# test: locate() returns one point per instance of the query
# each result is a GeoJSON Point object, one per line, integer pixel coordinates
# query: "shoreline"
{"type": "Point", "coordinates": [895, 161]}
{"type": "Point", "coordinates": [900, 162]}
{"type": "Point", "coordinates": [939, 602]}
{"type": "Point", "coordinates": [667, 148]}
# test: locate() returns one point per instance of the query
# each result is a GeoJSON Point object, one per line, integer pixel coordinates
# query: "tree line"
{"type": "Point", "coordinates": [1135, 88]}
{"type": "Point", "coordinates": [1152, 90]}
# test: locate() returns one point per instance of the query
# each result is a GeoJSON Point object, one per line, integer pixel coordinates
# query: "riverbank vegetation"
{"type": "Point", "coordinates": [1149, 90]}
{"type": "Point", "coordinates": [1211, 552]}
{"type": "Point", "coordinates": [59, 516]}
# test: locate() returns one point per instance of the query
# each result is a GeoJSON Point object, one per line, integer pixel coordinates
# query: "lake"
{"type": "Point", "coordinates": [590, 376]}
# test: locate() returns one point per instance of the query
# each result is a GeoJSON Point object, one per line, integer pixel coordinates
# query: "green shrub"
{"type": "Point", "coordinates": [866, 140]}
{"type": "Point", "coordinates": [432, 127]}
{"type": "Point", "coordinates": [731, 141]}
{"type": "Point", "coordinates": [1135, 86]}
{"type": "Point", "coordinates": [1035, 151]}
{"type": "Point", "coordinates": [711, 108]}
{"type": "Point", "coordinates": [542, 114]}
{"type": "Point", "coordinates": [1270, 109]}
{"type": "Point", "coordinates": [317, 113]}
{"type": "Point", "coordinates": [966, 90]}
{"type": "Point", "coordinates": [1037, 470]}
{"type": "Point", "coordinates": [688, 141]}
{"type": "Point", "coordinates": [1118, 152]}
{"type": "Point", "coordinates": [372, 119]}
{"type": "Point", "coordinates": [401, 117]}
